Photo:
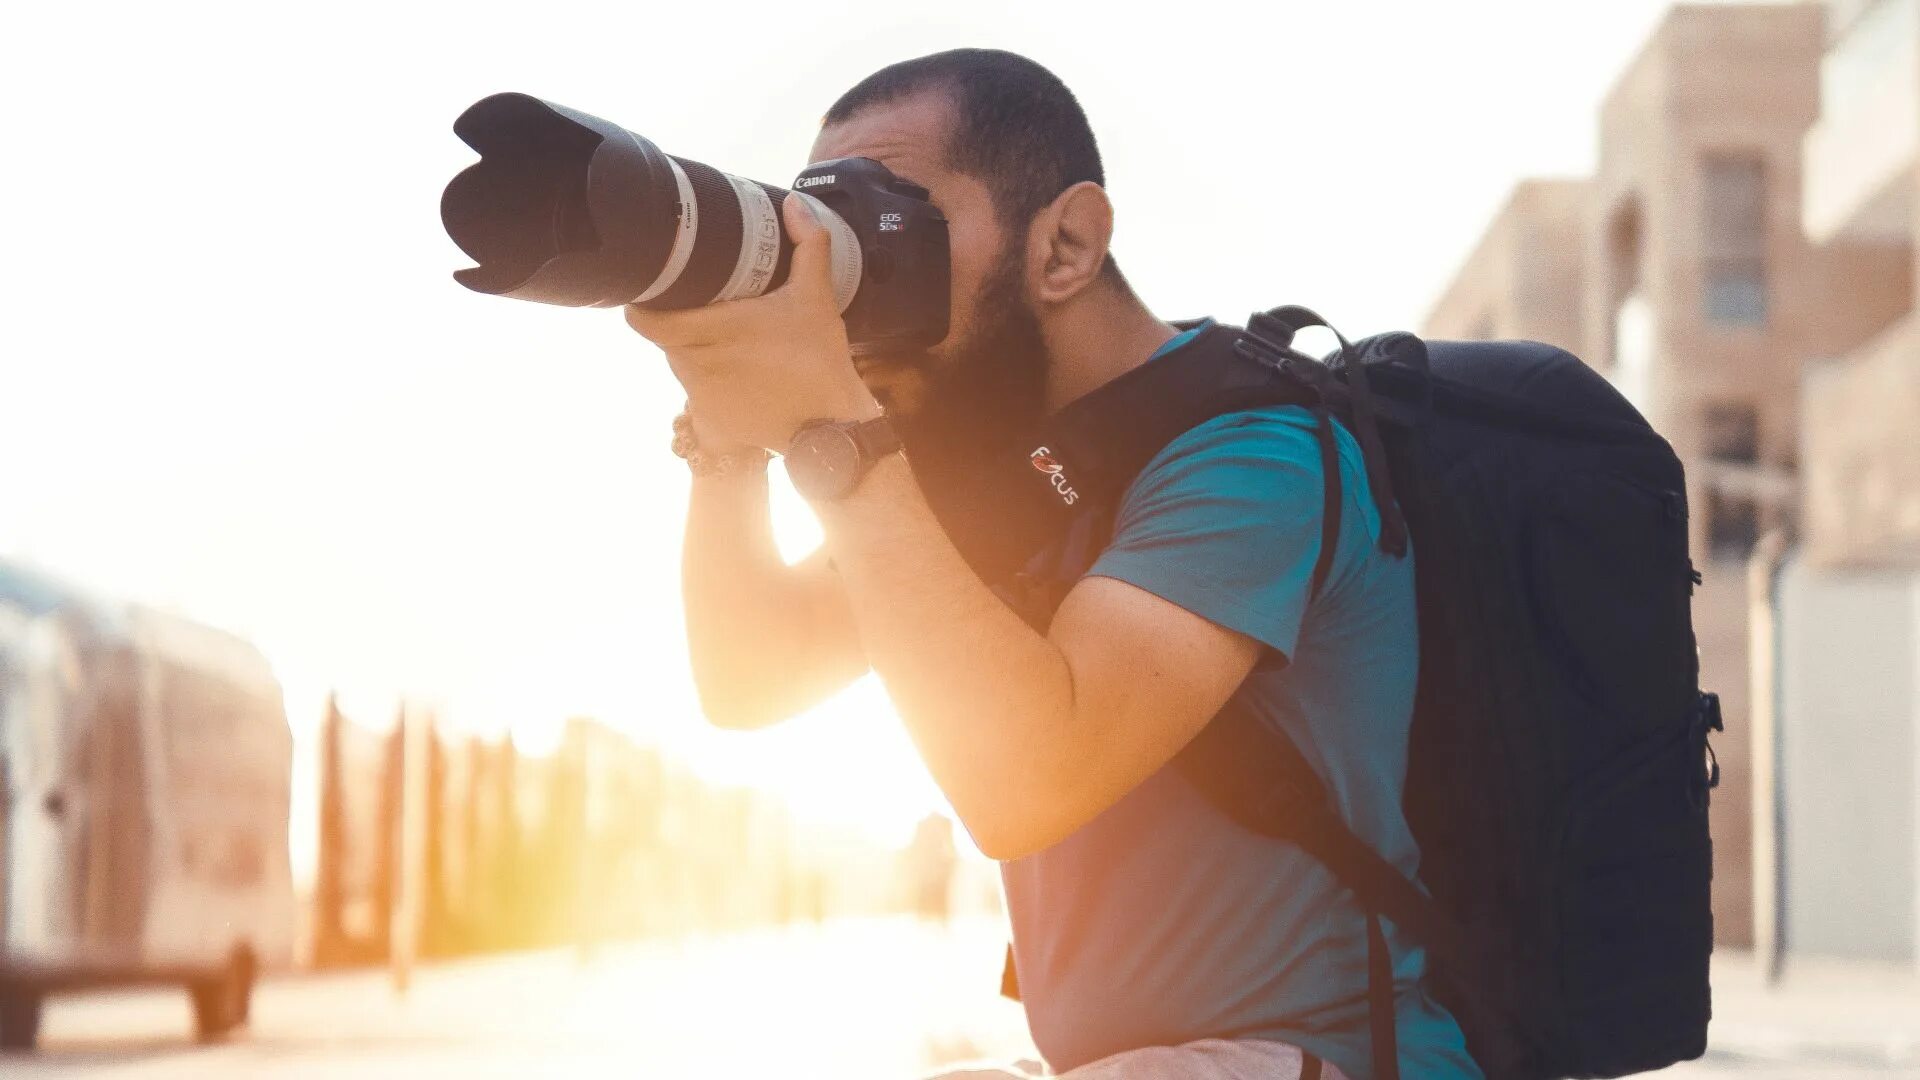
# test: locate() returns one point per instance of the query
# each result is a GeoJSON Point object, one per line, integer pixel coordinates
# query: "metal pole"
{"type": "Point", "coordinates": [1913, 729]}
{"type": "Point", "coordinates": [1763, 629]}
{"type": "Point", "coordinates": [585, 848]}
{"type": "Point", "coordinates": [415, 731]}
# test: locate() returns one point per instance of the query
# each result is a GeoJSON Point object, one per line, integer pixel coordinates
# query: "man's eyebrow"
{"type": "Point", "coordinates": [910, 169]}
{"type": "Point", "coordinates": [882, 149]}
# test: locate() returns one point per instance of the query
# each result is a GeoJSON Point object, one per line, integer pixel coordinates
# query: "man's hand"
{"type": "Point", "coordinates": [755, 370]}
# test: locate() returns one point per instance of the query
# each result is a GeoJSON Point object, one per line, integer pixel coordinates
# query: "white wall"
{"type": "Point", "coordinates": [1860, 156]}
{"type": "Point", "coordinates": [1850, 763]}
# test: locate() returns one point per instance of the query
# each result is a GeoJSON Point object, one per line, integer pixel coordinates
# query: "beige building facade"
{"type": "Point", "coordinates": [1861, 405]}
{"type": "Point", "coordinates": [1525, 279]}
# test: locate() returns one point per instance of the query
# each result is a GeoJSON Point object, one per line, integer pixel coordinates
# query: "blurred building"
{"type": "Point", "coordinates": [1526, 280]}
{"type": "Point", "coordinates": [1862, 395]}
{"type": "Point", "coordinates": [1750, 216]}
{"type": "Point", "coordinates": [1847, 601]}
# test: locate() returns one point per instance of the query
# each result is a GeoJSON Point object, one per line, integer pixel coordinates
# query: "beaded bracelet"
{"type": "Point", "coordinates": [686, 445]}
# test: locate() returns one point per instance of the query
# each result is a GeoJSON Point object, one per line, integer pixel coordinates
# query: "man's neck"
{"type": "Point", "coordinates": [1099, 343]}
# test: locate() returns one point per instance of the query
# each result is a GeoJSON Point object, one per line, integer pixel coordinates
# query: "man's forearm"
{"type": "Point", "coordinates": [729, 535]}
{"type": "Point", "coordinates": [988, 701]}
{"type": "Point", "coordinates": [756, 656]}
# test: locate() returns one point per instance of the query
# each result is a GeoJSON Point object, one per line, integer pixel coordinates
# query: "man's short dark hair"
{"type": "Point", "coordinates": [1016, 125]}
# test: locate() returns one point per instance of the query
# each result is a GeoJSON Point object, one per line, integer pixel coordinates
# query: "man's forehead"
{"type": "Point", "coordinates": [908, 136]}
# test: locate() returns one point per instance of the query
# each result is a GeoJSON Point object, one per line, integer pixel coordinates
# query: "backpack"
{"type": "Point", "coordinates": [1558, 770]}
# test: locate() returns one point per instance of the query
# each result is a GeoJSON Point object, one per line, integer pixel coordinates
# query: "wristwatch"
{"type": "Point", "coordinates": [827, 458]}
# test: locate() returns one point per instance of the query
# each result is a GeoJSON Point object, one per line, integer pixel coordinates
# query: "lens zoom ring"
{"type": "Point", "coordinates": [716, 246]}
{"type": "Point", "coordinates": [779, 196]}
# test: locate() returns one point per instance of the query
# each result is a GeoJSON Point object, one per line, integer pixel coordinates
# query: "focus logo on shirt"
{"type": "Point", "coordinates": [1042, 459]}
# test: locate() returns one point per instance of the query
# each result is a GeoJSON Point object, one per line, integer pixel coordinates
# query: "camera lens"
{"type": "Point", "coordinates": [732, 240]}
{"type": "Point", "coordinates": [566, 208]}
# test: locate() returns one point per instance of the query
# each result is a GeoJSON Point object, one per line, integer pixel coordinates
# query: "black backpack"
{"type": "Point", "coordinates": [1558, 761]}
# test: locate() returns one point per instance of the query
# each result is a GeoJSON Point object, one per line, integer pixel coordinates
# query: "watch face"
{"type": "Point", "coordinates": [824, 462]}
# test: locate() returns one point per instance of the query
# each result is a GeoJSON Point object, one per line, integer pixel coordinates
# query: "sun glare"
{"type": "Point", "coordinates": [848, 761]}
{"type": "Point", "coordinates": [795, 528]}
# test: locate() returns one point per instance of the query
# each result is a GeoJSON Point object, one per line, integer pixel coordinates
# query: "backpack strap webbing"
{"type": "Point", "coordinates": [1276, 329]}
{"type": "Point", "coordinates": [1256, 775]}
{"type": "Point", "coordinates": [1331, 498]}
{"type": "Point", "coordinates": [1382, 1018]}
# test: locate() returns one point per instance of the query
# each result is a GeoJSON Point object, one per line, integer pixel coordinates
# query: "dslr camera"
{"type": "Point", "coordinates": [566, 208]}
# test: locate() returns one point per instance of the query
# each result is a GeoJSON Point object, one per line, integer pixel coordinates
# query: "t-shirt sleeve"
{"type": "Point", "coordinates": [1225, 522]}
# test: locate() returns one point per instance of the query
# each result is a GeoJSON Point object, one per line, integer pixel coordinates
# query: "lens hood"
{"type": "Point", "coordinates": [562, 207]}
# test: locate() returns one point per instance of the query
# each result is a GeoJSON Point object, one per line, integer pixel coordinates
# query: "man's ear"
{"type": "Point", "coordinates": [1067, 243]}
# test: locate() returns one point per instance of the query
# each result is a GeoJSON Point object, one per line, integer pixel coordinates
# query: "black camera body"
{"type": "Point", "coordinates": [566, 208]}
{"type": "Point", "coordinates": [906, 275]}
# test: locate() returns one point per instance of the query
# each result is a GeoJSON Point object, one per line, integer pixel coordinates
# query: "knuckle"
{"type": "Point", "coordinates": [644, 322]}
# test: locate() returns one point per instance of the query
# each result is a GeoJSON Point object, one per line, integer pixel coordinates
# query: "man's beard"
{"type": "Point", "coordinates": [980, 415]}
{"type": "Point", "coordinates": [989, 395]}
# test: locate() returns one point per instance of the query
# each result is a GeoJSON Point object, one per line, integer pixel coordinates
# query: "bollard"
{"type": "Point", "coordinates": [415, 729]}
{"type": "Point", "coordinates": [1763, 582]}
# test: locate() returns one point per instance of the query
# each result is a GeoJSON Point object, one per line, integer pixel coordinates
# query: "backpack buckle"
{"type": "Point", "coordinates": [1709, 710]}
{"type": "Point", "coordinates": [1287, 361]}
{"type": "Point", "coordinates": [1267, 354]}
{"type": "Point", "coordinates": [1707, 720]}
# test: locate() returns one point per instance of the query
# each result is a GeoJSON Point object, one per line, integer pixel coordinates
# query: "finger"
{"type": "Point", "coordinates": [673, 329]}
{"type": "Point", "coordinates": [692, 366]}
{"type": "Point", "coordinates": [706, 366]}
{"type": "Point", "coordinates": [651, 325]}
{"type": "Point", "coordinates": [812, 250]}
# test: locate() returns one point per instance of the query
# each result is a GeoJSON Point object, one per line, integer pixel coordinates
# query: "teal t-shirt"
{"type": "Point", "coordinates": [1162, 921]}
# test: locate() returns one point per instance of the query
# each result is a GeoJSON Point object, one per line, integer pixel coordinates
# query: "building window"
{"type": "Point", "coordinates": [1733, 525]}
{"type": "Point", "coordinates": [1734, 245]}
{"type": "Point", "coordinates": [1730, 436]}
{"type": "Point", "coordinates": [1733, 434]}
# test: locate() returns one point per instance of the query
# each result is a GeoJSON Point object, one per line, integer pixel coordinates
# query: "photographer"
{"type": "Point", "coordinates": [1153, 936]}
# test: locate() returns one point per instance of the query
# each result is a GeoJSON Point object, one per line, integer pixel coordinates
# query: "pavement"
{"type": "Point", "coordinates": [1822, 1019]}
{"type": "Point", "coordinates": [880, 999]}
{"type": "Point", "coordinates": [854, 1000]}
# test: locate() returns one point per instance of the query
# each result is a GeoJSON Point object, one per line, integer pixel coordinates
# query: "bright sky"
{"type": "Point", "coordinates": [236, 378]}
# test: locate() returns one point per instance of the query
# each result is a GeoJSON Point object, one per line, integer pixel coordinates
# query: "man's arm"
{"type": "Point", "coordinates": [767, 640]}
{"type": "Point", "coordinates": [1029, 736]}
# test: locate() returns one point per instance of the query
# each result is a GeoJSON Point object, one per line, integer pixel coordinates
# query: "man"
{"type": "Point", "coordinates": [1153, 936]}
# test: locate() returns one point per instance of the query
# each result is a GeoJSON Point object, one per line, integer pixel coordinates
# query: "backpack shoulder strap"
{"type": "Point", "coordinates": [1256, 775]}
{"type": "Point", "coordinates": [1107, 437]}
{"type": "Point", "coordinates": [1091, 452]}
